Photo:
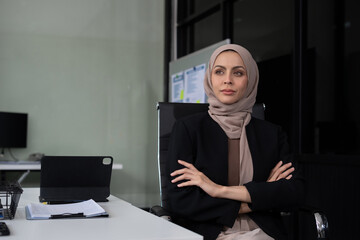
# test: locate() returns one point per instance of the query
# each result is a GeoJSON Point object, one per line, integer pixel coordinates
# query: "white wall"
{"type": "Point", "coordinates": [89, 74]}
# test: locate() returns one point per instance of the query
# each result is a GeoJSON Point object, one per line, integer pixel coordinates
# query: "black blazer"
{"type": "Point", "coordinates": [198, 139]}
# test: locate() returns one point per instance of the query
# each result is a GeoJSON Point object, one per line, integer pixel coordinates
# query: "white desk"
{"type": "Point", "coordinates": [33, 166]}
{"type": "Point", "coordinates": [28, 166]}
{"type": "Point", "coordinates": [19, 166]}
{"type": "Point", "coordinates": [125, 222]}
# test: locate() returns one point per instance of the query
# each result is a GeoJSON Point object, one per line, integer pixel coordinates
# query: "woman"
{"type": "Point", "coordinates": [231, 174]}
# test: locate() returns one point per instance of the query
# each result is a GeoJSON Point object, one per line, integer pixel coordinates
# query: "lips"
{"type": "Point", "coordinates": [227, 91]}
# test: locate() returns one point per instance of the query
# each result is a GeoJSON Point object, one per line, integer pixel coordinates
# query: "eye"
{"type": "Point", "coordinates": [238, 73]}
{"type": "Point", "coordinates": [219, 72]}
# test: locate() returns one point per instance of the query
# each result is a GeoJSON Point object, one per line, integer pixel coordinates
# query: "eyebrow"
{"type": "Point", "coordinates": [231, 68]}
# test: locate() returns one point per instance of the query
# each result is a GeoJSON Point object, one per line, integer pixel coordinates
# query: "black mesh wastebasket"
{"type": "Point", "coordinates": [10, 193]}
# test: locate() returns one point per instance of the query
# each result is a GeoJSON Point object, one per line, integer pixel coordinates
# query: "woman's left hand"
{"type": "Point", "coordinates": [193, 177]}
{"type": "Point", "coordinates": [281, 171]}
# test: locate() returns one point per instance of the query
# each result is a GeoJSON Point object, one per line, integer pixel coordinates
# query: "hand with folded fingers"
{"type": "Point", "coordinates": [193, 177]}
{"type": "Point", "coordinates": [281, 171]}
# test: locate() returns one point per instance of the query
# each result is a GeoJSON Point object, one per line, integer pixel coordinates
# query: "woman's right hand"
{"type": "Point", "coordinates": [281, 171]}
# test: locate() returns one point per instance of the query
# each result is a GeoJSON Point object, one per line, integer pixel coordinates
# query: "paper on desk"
{"type": "Point", "coordinates": [43, 211]}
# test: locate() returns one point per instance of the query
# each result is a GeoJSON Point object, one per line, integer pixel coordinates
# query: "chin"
{"type": "Point", "coordinates": [227, 101]}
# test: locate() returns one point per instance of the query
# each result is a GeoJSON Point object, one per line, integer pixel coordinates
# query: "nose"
{"type": "Point", "coordinates": [228, 80]}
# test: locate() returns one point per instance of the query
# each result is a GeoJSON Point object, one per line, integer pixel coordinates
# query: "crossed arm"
{"type": "Point", "coordinates": [190, 176]}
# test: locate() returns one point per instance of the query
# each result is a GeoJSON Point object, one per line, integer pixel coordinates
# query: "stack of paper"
{"type": "Point", "coordinates": [87, 209]}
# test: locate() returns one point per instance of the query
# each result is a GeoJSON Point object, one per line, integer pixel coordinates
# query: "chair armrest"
{"type": "Point", "coordinates": [160, 212]}
{"type": "Point", "coordinates": [322, 225]}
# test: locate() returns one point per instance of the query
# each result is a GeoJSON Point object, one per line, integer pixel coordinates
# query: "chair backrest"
{"type": "Point", "coordinates": [168, 113]}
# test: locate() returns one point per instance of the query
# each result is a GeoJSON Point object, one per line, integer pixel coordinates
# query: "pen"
{"type": "Point", "coordinates": [67, 215]}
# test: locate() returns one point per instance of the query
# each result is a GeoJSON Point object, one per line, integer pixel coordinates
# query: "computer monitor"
{"type": "Point", "coordinates": [13, 130]}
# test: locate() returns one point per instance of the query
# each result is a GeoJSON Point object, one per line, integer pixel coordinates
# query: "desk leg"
{"type": "Point", "coordinates": [23, 176]}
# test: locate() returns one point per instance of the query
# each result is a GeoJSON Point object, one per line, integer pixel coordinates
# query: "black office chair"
{"type": "Point", "coordinates": [168, 113]}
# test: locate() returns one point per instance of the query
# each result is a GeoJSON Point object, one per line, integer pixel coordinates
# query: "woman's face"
{"type": "Point", "coordinates": [228, 77]}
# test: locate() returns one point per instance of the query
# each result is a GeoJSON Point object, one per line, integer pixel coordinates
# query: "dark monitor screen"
{"type": "Point", "coordinates": [13, 130]}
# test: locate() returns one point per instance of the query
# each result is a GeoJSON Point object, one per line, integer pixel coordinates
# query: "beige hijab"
{"type": "Point", "coordinates": [233, 118]}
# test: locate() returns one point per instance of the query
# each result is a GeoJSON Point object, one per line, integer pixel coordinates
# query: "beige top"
{"type": "Point", "coordinates": [239, 172]}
